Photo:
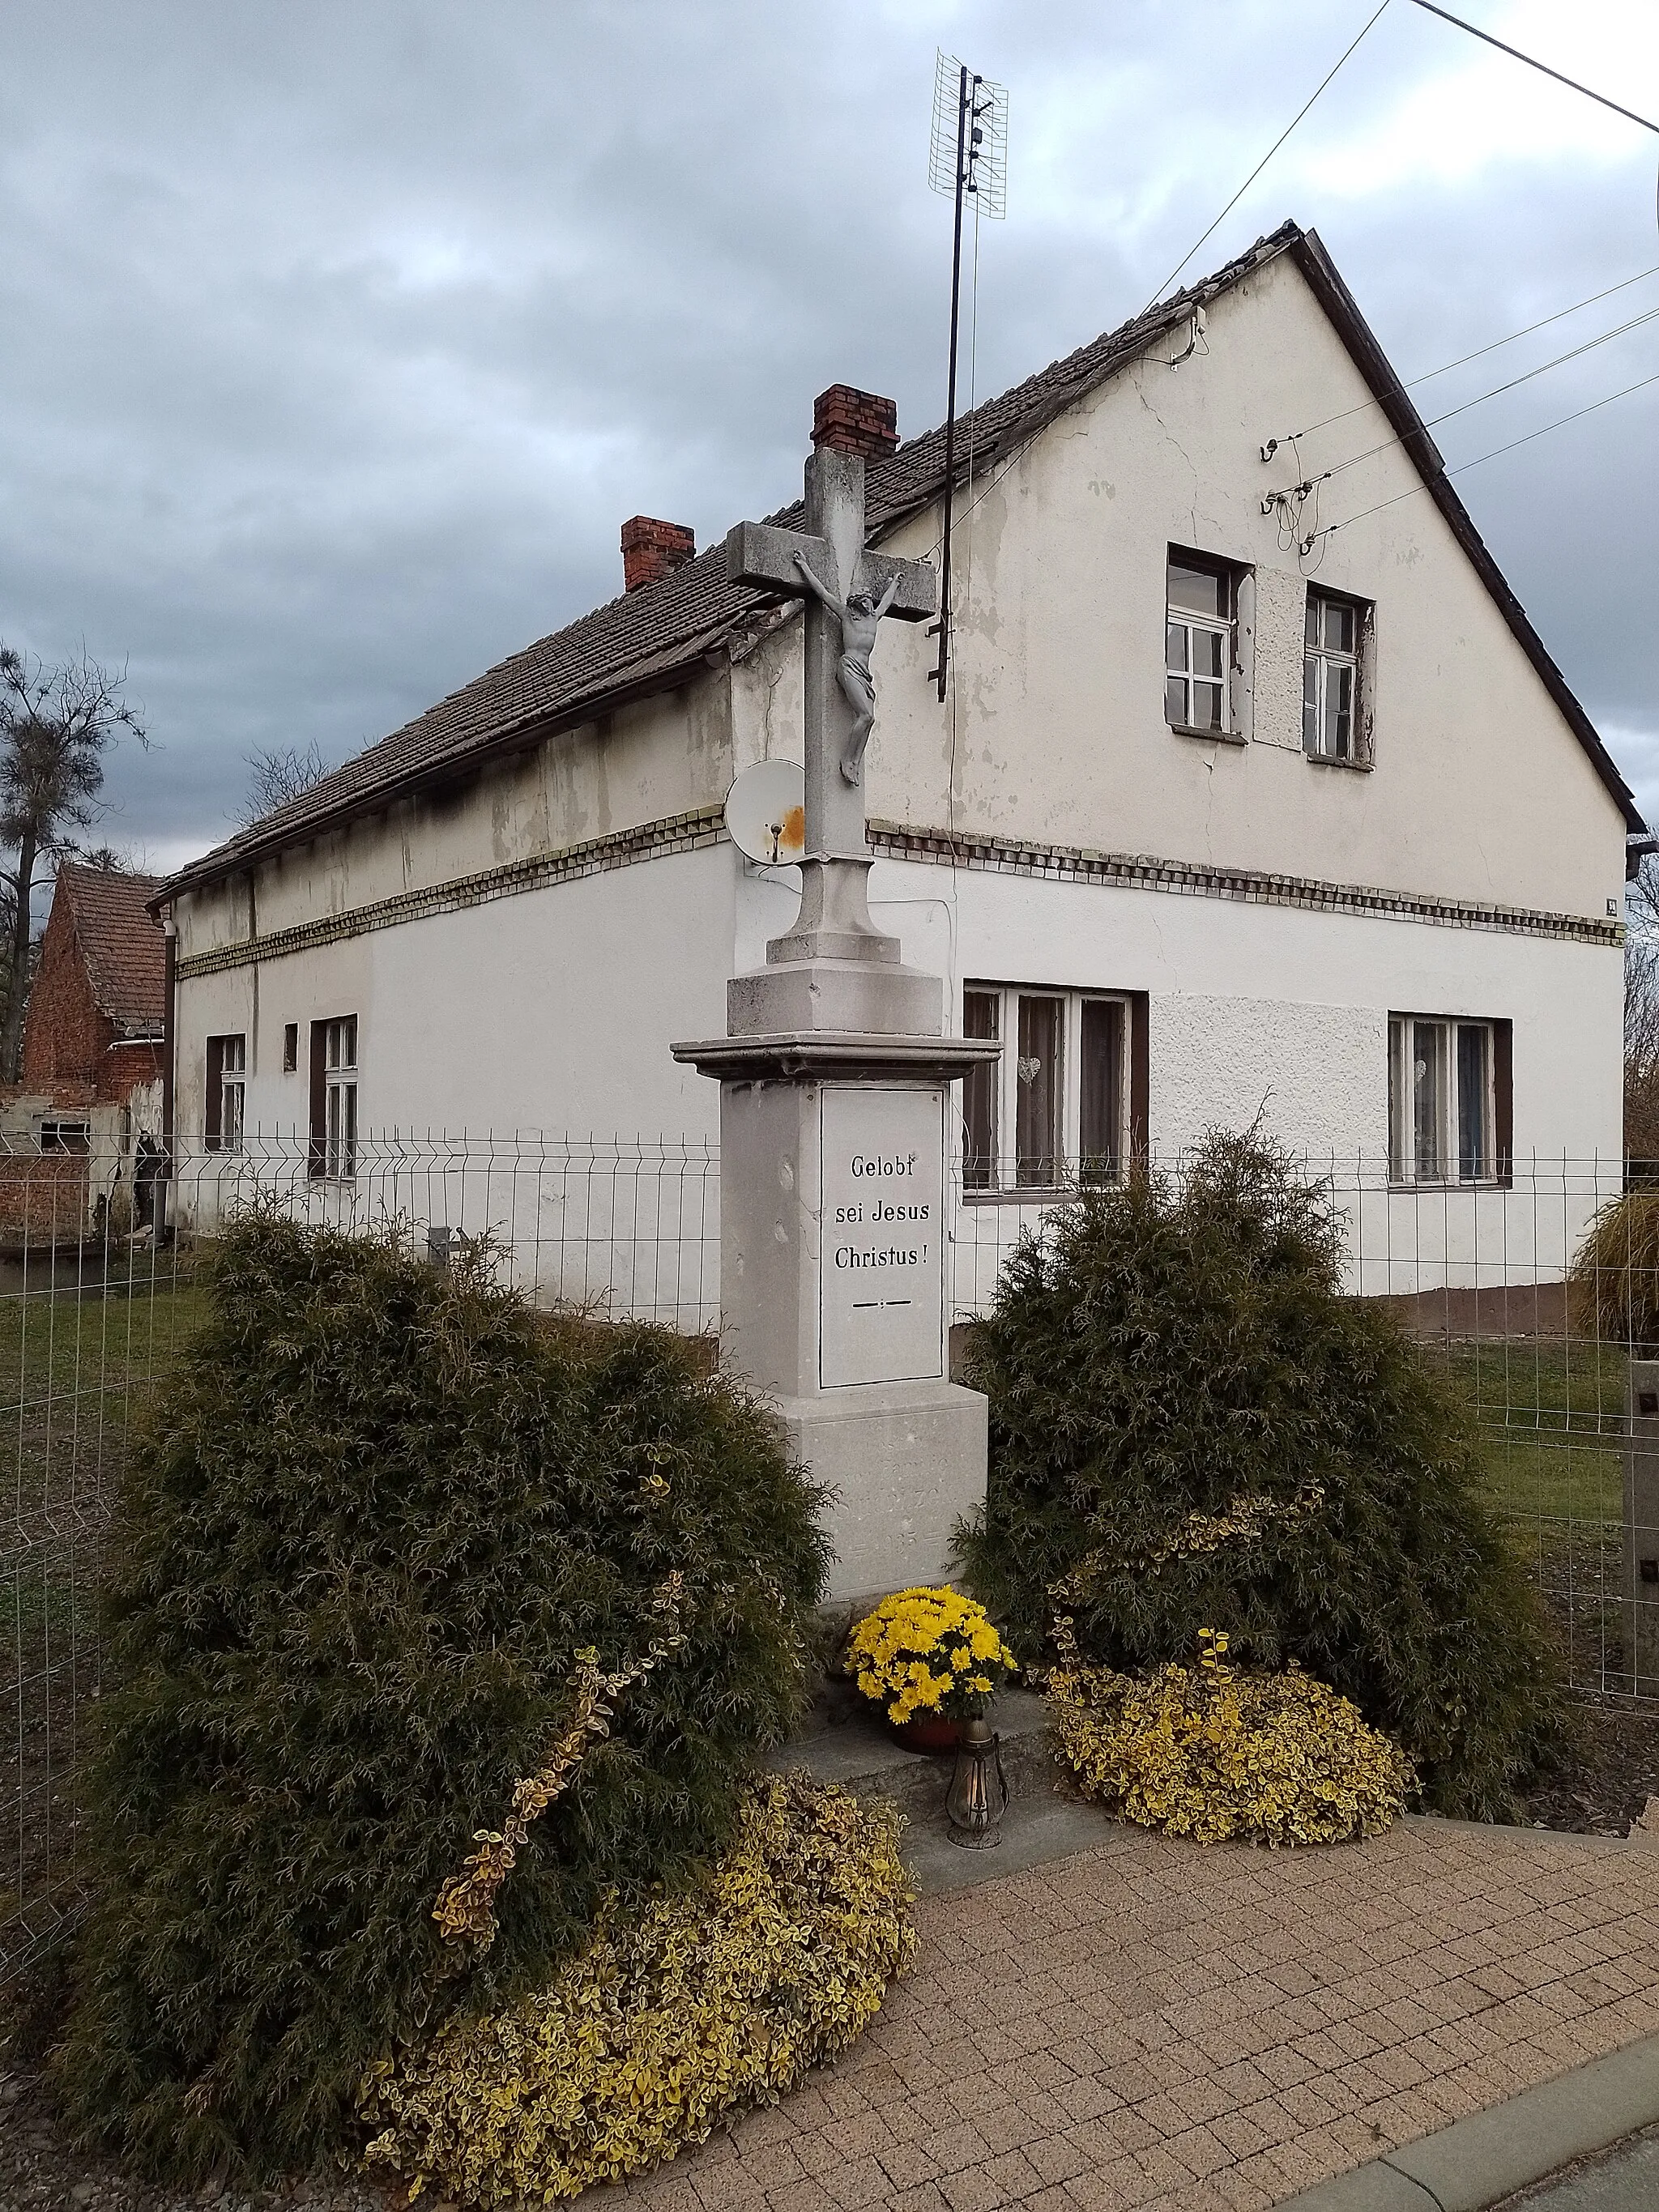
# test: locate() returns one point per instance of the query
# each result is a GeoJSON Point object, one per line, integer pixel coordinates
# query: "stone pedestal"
{"type": "Point", "coordinates": [1640, 1584]}
{"type": "Point", "coordinates": [834, 1282]}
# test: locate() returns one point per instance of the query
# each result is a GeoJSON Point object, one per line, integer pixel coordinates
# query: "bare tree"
{"type": "Point", "coordinates": [55, 724]}
{"type": "Point", "coordinates": [277, 778]}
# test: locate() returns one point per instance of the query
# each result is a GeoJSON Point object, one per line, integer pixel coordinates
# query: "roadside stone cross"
{"type": "Point", "coordinates": [835, 1072]}
{"type": "Point", "coordinates": [847, 590]}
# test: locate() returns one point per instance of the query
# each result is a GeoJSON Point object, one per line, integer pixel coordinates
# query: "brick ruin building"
{"type": "Point", "coordinates": [85, 1120]}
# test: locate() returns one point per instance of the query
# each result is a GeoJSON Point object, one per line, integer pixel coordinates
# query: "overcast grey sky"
{"type": "Point", "coordinates": [339, 340]}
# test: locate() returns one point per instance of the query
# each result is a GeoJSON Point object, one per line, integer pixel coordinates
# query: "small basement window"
{"type": "Point", "coordinates": [66, 1136]}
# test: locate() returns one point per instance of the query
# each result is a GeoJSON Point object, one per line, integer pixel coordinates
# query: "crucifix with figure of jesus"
{"type": "Point", "coordinates": [848, 590]}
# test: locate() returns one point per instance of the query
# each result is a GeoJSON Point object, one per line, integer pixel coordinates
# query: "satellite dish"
{"type": "Point", "coordinates": [766, 813]}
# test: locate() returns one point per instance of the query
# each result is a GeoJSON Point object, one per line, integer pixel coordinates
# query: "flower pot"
{"type": "Point", "coordinates": [928, 1732]}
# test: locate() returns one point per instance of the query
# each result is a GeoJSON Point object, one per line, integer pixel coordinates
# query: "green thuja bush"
{"type": "Point", "coordinates": [377, 1514]}
{"type": "Point", "coordinates": [1193, 1428]}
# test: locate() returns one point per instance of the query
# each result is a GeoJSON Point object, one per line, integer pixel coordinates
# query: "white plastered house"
{"type": "Point", "coordinates": [1206, 829]}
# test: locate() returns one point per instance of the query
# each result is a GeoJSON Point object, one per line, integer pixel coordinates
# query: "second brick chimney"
{"type": "Point", "coordinates": [855, 422]}
{"type": "Point", "coordinates": [651, 549]}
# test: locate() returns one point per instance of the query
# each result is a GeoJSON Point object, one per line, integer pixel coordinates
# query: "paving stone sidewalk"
{"type": "Point", "coordinates": [1205, 2030]}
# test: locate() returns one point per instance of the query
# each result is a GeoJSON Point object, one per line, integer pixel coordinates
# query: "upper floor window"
{"type": "Point", "coordinates": [1448, 1099]}
{"type": "Point", "coordinates": [1054, 1109]}
{"type": "Point", "coordinates": [1331, 727]}
{"type": "Point", "coordinates": [334, 1096]}
{"type": "Point", "coordinates": [1199, 644]}
{"type": "Point", "coordinates": [226, 1093]}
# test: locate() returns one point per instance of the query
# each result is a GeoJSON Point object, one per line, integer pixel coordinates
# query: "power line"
{"type": "Point", "coordinates": [1260, 167]}
{"type": "Point", "coordinates": [1463, 467]}
{"type": "Point", "coordinates": [1388, 445]}
{"type": "Point", "coordinates": [1010, 457]}
{"type": "Point", "coordinates": [1572, 83]}
{"type": "Point", "coordinates": [1462, 361]}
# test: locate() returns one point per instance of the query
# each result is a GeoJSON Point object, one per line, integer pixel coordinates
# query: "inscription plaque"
{"type": "Point", "coordinates": [881, 1273]}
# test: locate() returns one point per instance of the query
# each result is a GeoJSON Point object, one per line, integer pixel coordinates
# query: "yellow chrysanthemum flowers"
{"type": "Point", "coordinates": [928, 1651]}
{"type": "Point", "coordinates": [1212, 1752]}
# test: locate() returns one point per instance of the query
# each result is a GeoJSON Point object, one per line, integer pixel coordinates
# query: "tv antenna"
{"type": "Point", "coordinates": [968, 158]}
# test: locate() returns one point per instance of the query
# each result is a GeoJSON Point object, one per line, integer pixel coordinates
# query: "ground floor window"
{"type": "Point", "coordinates": [334, 1096]}
{"type": "Point", "coordinates": [65, 1136]}
{"type": "Point", "coordinates": [1060, 1105]}
{"type": "Point", "coordinates": [1449, 1093]}
{"type": "Point", "coordinates": [226, 1093]}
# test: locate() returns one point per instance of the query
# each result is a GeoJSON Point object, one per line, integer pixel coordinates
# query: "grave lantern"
{"type": "Point", "coordinates": [978, 1796]}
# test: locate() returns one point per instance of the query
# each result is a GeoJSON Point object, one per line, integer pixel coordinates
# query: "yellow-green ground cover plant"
{"type": "Point", "coordinates": [719, 1996]}
{"type": "Point", "coordinates": [1193, 1426]}
{"type": "Point", "coordinates": [390, 1538]}
{"type": "Point", "coordinates": [930, 1651]}
{"type": "Point", "coordinates": [1214, 1752]}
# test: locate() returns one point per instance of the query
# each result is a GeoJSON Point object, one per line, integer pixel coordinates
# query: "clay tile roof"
{"type": "Point", "coordinates": [653, 637]}
{"type": "Point", "coordinates": [121, 942]}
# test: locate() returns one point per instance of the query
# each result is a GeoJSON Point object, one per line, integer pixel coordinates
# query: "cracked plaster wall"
{"type": "Point", "coordinates": [1480, 789]}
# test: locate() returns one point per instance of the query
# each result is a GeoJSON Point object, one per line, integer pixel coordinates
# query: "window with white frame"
{"type": "Point", "coordinates": [334, 1096]}
{"type": "Point", "coordinates": [226, 1093]}
{"type": "Point", "coordinates": [1053, 1109]}
{"type": "Point", "coordinates": [1446, 1107]}
{"type": "Point", "coordinates": [1330, 678]}
{"type": "Point", "coordinates": [1198, 649]}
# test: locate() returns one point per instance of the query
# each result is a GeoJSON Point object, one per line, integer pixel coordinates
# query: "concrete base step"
{"type": "Point", "coordinates": [846, 1743]}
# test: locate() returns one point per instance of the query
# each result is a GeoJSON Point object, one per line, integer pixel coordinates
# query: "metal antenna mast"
{"type": "Point", "coordinates": [968, 156]}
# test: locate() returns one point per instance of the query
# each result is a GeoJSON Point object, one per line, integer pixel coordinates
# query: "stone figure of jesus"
{"type": "Point", "coordinates": [860, 617]}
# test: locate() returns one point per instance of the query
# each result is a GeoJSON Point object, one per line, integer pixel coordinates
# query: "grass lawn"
{"type": "Point", "coordinates": [1551, 1414]}
{"type": "Point", "coordinates": [74, 1371]}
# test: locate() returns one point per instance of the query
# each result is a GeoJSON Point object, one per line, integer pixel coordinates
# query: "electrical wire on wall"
{"type": "Point", "coordinates": [1463, 467]}
{"type": "Point", "coordinates": [1410, 384]}
{"type": "Point", "coordinates": [1448, 415]}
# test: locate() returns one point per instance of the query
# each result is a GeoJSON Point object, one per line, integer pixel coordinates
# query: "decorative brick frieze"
{"type": "Point", "coordinates": [691, 833]}
{"type": "Point", "coordinates": [1140, 871]}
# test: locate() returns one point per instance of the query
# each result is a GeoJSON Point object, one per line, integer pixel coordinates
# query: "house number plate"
{"type": "Point", "coordinates": [881, 1298]}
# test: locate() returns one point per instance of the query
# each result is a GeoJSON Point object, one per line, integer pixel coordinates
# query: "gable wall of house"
{"type": "Point", "coordinates": [65, 1039]}
{"type": "Point", "coordinates": [1480, 790]}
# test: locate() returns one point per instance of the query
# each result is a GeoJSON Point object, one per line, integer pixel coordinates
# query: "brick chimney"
{"type": "Point", "coordinates": [855, 422]}
{"type": "Point", "coordinates": [651, 549]}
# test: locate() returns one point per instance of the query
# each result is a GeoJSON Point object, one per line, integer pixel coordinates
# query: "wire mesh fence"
{"type": "Point", "coordinates": [95, 1304]}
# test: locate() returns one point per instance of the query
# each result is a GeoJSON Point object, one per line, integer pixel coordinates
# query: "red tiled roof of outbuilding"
{"type": "Point", "coordinates": [121, 942]}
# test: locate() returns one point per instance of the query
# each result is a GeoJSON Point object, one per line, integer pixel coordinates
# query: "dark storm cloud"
{"type": "Point", "coordinates": [339, 341]}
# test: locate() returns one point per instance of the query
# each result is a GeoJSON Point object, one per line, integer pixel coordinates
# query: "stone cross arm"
{"type": "Point", "coordinates": [761, 553]}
